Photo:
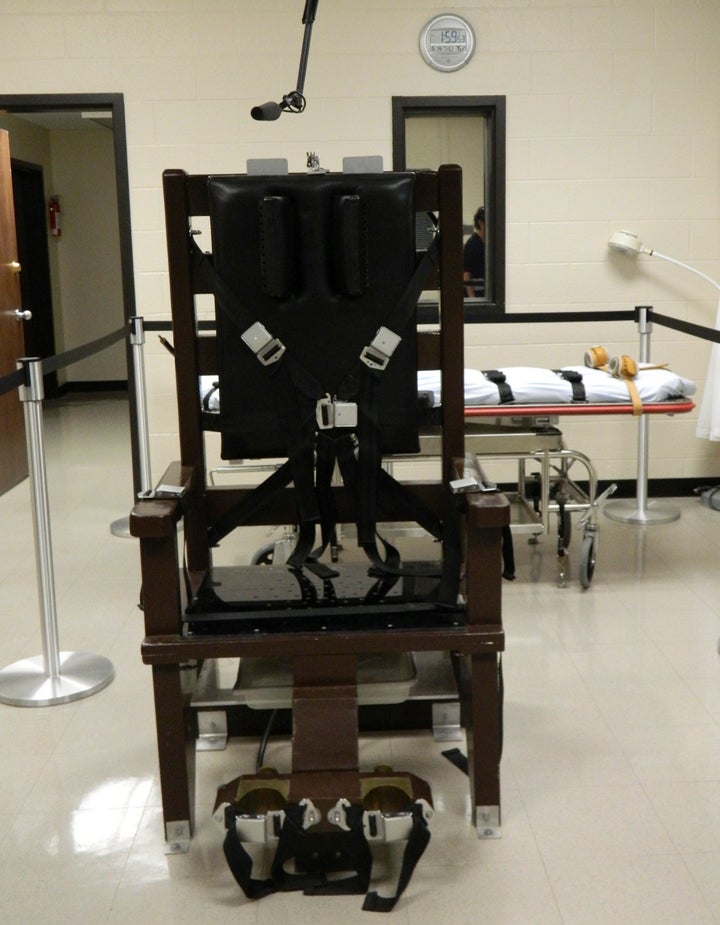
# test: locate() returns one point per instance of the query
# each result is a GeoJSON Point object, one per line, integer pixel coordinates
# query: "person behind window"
{"type": "Point", "coordinates": [474, 257]}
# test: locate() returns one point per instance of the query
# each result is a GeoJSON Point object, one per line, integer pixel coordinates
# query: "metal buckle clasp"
{"type": "Point", "coordinates": [331, 413]}
{"type": "Point", "coordinates": [377, 353]}
{"type": "Point", "coordinates": [267, 349]}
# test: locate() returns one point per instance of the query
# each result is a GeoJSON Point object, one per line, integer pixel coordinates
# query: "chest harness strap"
{"type": "Point", "coordinates": [300, 404]}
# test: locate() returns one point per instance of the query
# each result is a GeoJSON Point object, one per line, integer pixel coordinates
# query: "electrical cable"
{"type": "Point", "coordinates": [264, 741]}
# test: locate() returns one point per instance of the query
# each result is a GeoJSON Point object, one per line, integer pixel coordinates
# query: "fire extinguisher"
{"type": "Point", "coordinates": [54, 213]}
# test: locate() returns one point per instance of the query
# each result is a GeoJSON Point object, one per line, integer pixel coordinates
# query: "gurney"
{"type": "Point", "coordinates": [512, 414]}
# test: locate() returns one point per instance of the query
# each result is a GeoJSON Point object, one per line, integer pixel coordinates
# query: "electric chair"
{"type": "Point", "coordinates": [315, 346]}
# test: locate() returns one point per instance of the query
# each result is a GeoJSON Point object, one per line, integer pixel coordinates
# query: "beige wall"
{"type": "Point", "coordinates": [613, 122]}
{"type": "Point", "coordinates": [89, 249]}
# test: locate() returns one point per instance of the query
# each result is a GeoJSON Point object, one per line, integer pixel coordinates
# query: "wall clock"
{"type": "Point", "coordinates": [447, 42]}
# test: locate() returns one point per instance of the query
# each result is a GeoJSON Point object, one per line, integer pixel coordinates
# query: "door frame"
{"type": "Point", "coordinates": [101, 102]}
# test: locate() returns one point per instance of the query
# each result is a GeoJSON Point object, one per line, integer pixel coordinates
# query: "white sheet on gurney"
{"type": "Point", "coordinates": [536, 385]}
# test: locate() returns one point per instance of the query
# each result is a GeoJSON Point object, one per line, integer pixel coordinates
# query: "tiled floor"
{"type": "Point", "coordinates": [611, 771]}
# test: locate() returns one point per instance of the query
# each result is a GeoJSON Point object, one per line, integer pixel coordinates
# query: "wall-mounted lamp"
{"type": "Point", "coordinates": [628, 243]}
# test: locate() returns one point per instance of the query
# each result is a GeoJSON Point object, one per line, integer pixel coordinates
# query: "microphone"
{"type": "Point", "coordinates": [294, 101]}
{"type": "Point", "coordinates": [267, 112]}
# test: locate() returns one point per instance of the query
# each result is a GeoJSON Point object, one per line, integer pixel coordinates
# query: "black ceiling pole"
{"type": "Point", "coordinates": [308, 20]}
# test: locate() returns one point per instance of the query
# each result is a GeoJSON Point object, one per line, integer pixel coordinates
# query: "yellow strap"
{"type": "Point", "coordinates": [634, 396]}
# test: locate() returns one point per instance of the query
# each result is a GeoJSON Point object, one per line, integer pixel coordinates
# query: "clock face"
{"type": "Point", "coordinates": [447, 43]}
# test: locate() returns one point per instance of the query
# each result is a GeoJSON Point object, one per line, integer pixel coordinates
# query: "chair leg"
{"type": "Point", "coordinates": [176, 754]}
{"type": "Point", "coordinates": [325, 714]}
{"type": "Point", "coordinates": [482, 717]}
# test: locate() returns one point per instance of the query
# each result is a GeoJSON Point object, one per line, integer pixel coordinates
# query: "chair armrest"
{"type": "Point", "coordinates": [155, 517]}
{"type": "Point", "coordinates": [488, 509]}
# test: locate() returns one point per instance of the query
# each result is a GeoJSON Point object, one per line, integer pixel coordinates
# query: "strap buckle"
{"type": "Point", "coordinates": [330, 413]}
{"type": "Point", "coordinates": [377, 353]}
{"type": "Point", "coordinates": [256, 828]}
{"type": "Point", "coordinates": [380, 826]}
{"type": "Point", "coordinates": [162, 492]}
{"type": "Point", "coordinates": [267, 349]}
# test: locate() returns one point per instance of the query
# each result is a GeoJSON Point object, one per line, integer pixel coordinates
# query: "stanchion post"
{"type": "Point", "coordinates": [121, 527]}
{"type": "Point", "coordinates": [639, 511]}
{"type": "Point", "coordinates": [55, 677]}
{"type": "Point", "coordinates": [137, 340]}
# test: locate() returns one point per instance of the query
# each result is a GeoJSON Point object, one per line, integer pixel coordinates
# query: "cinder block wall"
{"type": "Point", "coordinates": [613, 122]}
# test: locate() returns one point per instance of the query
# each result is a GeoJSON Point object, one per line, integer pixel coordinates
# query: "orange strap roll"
{"type": "Point", "coordinates": [596, 357]}
{"type": "Point", "coordinates": [623, 367]}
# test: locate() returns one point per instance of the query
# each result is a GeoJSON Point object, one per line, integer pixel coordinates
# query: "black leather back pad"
{"type": "Point", "coordinates": [320, 260]}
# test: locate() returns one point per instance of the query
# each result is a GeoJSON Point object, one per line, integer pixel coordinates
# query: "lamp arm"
{"type": "Point", "coordinates": [678, 263]}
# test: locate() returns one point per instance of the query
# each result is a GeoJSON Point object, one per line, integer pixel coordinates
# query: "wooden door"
{"type": "Point", "coordinates": [33, 254]}
{"type": "Point", "coordinates": [13, 456]}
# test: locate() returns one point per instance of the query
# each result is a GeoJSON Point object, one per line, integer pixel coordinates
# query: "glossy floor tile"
{"type": "Point", "coordinates": [611, 766]}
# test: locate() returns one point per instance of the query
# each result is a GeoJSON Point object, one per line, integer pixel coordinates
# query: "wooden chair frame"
{"type": "Point", "coordinates": [325, 682]}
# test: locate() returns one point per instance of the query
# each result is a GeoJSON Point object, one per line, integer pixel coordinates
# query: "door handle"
{"type": "Point", "coordinates": [21, 315]}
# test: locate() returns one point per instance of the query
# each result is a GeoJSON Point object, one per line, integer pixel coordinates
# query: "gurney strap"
{"type": "Point", "coordinates": [497, 377]}
{"type": "Point", "coordinates": [576, 383]}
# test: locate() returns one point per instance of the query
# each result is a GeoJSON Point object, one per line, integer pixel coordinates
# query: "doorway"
{"type": "Point", "coordinates": [104, 109]}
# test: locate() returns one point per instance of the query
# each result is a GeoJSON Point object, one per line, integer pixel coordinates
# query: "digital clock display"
{"type": "Point", "coordinates": [447, 42]}
{"type": "Point", "coordinates": [442, 38]}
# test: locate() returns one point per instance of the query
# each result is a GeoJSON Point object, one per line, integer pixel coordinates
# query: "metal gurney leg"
{"type": "Point", "coordinates": [549, 489]}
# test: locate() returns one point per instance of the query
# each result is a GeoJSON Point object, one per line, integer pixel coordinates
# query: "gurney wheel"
{"type": "Point", "coordinates": [587, 559]}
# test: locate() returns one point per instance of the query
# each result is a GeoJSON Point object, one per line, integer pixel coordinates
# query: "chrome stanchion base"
{"type": "Point", "coordinates": [627, 511]}
{"type": "Point", "coordinates": [26, 683]}
{"type": "Point", "coordinates": [121, 527]}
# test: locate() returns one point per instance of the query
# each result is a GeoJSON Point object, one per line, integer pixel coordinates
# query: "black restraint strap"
{"type": "Point", "coordinates": [414, 849]}
{"type": "Point", "coordinates": [355, 848]}
{"type": "Point", "coordinates": [297, 392]}
{"type": "Point", "coordinates": [240, 862]}
{"type": "Point", "coordinates": [208, 395]}
{"type": "Point", "coordinates": [508, 554]}
{"type": "Point", "coordinates": [368, 479]}
{"type": "Point", "coordinates": [397, 318]}
{"type": "Point", "coordinates": [359, 858]}
{"type": "Point", "coordinates": [576, 382]}
{"type": "Point", "coordinates": [458, 759]}
{"type": "Point", "coordinates": [498, 378]}
{"type": "Point", "coordinates": [251, 504]}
